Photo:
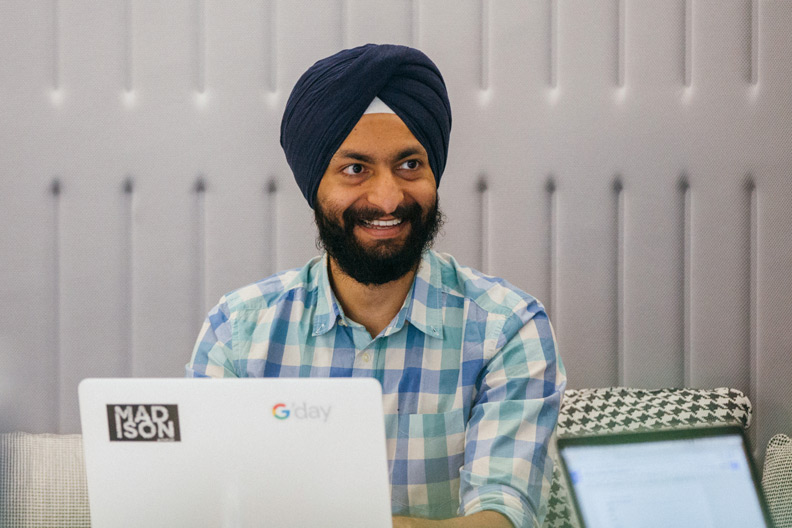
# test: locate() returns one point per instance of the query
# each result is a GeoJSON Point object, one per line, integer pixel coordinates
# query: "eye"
{"type": "Point", "coordinates": [354, 169]}
{"type": "Point", "coordinates": [410, 164]}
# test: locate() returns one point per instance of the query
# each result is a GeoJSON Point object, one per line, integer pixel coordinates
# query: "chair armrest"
{"type": "Point", "coordinates": [42, 481]}
{"type": "Point", "coordinates": [777, 480]}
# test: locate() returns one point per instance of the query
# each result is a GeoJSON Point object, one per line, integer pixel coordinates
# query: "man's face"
{"type": "Point", "coordinates": [376, 205]}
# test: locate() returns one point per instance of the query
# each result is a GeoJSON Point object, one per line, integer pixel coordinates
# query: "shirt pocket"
{"type": "Point", "coordinates": [430, 450]}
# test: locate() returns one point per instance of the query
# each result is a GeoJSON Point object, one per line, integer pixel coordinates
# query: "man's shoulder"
{"type": "Point", "coordinates": [271, 290]}
{"type": "Point", "coordinates": [490, 293]}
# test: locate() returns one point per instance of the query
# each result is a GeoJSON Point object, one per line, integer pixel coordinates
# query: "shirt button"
{"type": "Point", "coordinates": [366, 357]}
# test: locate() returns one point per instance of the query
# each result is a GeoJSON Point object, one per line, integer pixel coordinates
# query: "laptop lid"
{"type": "Point", "coordinates": [235, 453]}
{"type": "Point", "coordinates": [686, 478]}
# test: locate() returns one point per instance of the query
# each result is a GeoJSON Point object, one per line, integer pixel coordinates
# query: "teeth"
{"type": "Point", "coordinates": [384, 223]}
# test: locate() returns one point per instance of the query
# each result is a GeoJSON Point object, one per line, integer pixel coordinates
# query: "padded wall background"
{"type": "Point", "coordinates": [628, 162]}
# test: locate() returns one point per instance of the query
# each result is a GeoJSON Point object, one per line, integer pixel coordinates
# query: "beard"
{"type": "Point", "coordinates": [385, 260]}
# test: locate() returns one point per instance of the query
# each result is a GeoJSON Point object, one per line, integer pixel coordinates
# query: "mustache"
{"type": "Point", "coordinates": [410, 212]}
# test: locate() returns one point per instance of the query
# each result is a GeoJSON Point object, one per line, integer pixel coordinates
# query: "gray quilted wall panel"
{"type": "Point", "coordinates": [628, 162]}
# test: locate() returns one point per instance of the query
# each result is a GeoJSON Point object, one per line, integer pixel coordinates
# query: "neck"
{"type": "Point", "coordinates": [373, 306]}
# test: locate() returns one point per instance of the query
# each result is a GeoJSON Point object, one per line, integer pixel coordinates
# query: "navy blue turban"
{"type": "Point", "coordinates": [329, 99]}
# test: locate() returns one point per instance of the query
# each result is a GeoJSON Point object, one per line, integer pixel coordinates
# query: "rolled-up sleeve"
{"type": "Point", "coordinates": [507, 468]}
{"type": "Point", "coordinates": [211, 356]}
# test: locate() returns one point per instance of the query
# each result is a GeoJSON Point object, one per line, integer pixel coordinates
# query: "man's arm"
{"type": "Point", "coordinates": [210, 357]}
{"type": "Point", "coordinates": [507, 468]}
{"type": "Point", "coordinates": [485, 519]}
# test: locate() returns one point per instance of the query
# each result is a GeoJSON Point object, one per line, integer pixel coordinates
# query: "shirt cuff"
{"type": "Point", "coordinates": [501, 499]}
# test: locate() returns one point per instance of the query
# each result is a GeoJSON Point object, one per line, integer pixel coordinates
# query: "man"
{"type": "Point", "coordinates": [470, 374]}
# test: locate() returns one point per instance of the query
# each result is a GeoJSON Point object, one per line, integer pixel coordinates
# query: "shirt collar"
{"type": "Point", "coordinates": [327, 309]}
{"type": "Point", "coordinates": [422, 307]}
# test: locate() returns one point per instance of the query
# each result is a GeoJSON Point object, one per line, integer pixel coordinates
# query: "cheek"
{"type": "Point", "coordinates": [425, 194]}
{"type": "Point", "coordinates": [333, 199]}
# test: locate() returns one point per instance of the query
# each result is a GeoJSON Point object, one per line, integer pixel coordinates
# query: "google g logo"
{"type": "Point", "coordinates": [280, 411]}
{"type": "Point", "coordinates": [301, 411]}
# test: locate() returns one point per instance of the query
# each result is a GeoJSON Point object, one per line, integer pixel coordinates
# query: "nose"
{"type": "Point", "coordinates": [385, 192]}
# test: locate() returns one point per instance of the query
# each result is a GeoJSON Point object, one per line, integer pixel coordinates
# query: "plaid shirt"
{"type": "Point", "coordinates": [471, 378]}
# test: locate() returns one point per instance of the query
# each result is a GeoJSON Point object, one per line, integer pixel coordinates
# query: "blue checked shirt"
{"type": "Point", "coordinates": [470, 373]}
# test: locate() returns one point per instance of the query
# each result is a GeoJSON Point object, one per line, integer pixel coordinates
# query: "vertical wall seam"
{"type": "Point", "coordinates": [128, 47]}
{"type": "Point", "coordinates": [552, 222]}
{"type": "Point", "coordinates": [271, 191]}
{"type": "Point", "coordinates": [345, 25]}
{"type": "Point", "coordinates": [753, 303]}
{"type": "Point", "coordinates": [200, 46]}
{"type": "Point", "coordinates": [485, 44]}
{"type": "Point", "coordinates": [688, 59]}
{"type": "Point", "coordinates": [754, 57]}
{"type": "Point", "coordinates": [687, 242]}
{"type": "Point", "coordinates": [484, 225]}
{"type": "Point", "coordinates": [57, 415]}
{"type": "Point", "coordinates": [272, 22]}
{"type": "Point", "coordinates": [129, 272]}
{"type": "Point", "coordinates": [622, 37]}
{"type": "Point", "coordinates": [553, 44]}
{"type": "Point", "coordinates": [415, 27]}
{"type": "Point", "coordinates": [618, 189]}
{"type": "Point", "coordinates": [200, 245]}
{"type": "Point", "coordinates": [56, 46]}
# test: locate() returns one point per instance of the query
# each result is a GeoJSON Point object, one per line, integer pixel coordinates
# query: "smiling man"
{"type": "Point", "coordinates": [470, 374]}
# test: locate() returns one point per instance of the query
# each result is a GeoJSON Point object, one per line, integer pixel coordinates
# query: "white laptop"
{"type": "Point", "coordinates": [235, 453]}
{"type": "Point", "coordinates": [694, 478]}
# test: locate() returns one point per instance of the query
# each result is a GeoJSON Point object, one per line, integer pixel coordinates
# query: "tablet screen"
{"type": "Point", "coordinates": [690, 482]}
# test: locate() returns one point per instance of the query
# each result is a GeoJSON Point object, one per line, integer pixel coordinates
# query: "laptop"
{"type": "Point", "coordinates": [235, 453]}
{"type": "Point", "coordinates": [698, 478]}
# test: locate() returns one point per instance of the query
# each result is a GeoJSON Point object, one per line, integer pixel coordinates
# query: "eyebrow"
{"type": "Point", "coordinates": [410, 151]}
{"type": "Point", "coordinates": [351, 154]}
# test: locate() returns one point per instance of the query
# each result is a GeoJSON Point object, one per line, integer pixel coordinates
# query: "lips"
{"type": "Point", "coordinates": [382, 224]}
{"type": "Point", "coordinates": [377, 225]}
{"type": "Point", "coordinates": [383, 229]}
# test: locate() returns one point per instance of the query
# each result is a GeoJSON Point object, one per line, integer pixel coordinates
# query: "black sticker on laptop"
{"type": "Point", "coordinates": [150, 422]}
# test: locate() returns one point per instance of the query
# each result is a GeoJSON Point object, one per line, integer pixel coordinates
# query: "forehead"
{"type": "Point", "coordinates": [380, 134]}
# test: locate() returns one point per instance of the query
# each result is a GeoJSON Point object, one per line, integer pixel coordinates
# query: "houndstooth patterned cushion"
{"type": "Point", "coordinates": [777, 480]}
{"type": "Point", "coordinates": [618, 409]}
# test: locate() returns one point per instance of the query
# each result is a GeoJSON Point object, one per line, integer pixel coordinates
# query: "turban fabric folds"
{"type": "Point", "coordinates": [329, 99]}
